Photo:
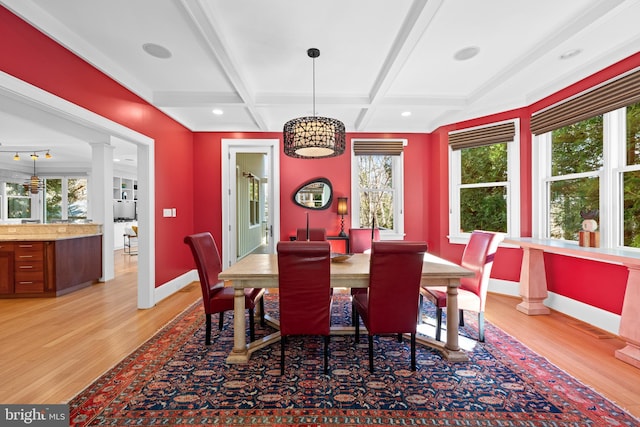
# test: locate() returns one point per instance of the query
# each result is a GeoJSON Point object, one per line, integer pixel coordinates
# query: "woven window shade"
{"type": "Point", "coordinates": [483, 136]}
{"type": "Point", "coordinates": [613, 95]}
{"type": "Point", "coordinates": [377, 148]}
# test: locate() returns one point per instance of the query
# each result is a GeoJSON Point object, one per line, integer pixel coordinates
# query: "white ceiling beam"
{"type": "Point", "coordinates": [419, 17]}
{"type": "Point", "coordinates": [202, 16]}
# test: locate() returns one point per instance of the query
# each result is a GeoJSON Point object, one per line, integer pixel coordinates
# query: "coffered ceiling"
{"type": "Point", "coordinates": [379, 58]}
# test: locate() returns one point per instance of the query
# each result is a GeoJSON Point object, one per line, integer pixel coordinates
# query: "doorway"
{"type": "Point", "coordinates": [250, 197]}
{"type": "Point", "coordinates": [85, 125]}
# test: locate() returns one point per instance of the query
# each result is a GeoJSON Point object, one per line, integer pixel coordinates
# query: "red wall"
{"type": "Point", "coordinates": [31, 56]}
{"type": "Point", "coordinates": [294, 172]}
{"type": "Point", "coordinates": [188, 165]}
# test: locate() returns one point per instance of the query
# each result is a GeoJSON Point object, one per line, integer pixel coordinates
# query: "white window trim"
{"type": "Point", "coordinates": [610, 175]}
{"type": "Point", "coordinates": [398, 187]}
{"type": "Point", "coordinates": [512, 186]}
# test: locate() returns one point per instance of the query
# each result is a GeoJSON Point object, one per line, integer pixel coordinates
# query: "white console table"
{"type": "Point", "coordinates": [533, 284]}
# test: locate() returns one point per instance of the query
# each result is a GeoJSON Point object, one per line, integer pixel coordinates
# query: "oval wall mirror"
{"type": "Point", "coordinates": [315, 194]}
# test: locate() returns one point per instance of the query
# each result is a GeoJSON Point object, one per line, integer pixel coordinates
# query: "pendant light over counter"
{"type": "Point", "coordinates": [314, 137]}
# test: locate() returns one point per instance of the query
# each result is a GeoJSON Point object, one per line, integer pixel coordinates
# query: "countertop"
{"type": "Point", "coordinates": [47, 232]}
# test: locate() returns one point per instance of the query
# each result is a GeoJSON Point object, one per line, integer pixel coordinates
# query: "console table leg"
{"type": "Point", "coordinates": [533, 283]}
{"type": "Point", "coordinates": [629, 330]}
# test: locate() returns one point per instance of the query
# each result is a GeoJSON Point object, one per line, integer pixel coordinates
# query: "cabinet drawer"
{"type": "Point", "coordinates": [29, 286]}
{"type": "Point", "coordinates": [29, 251]}
{"type": "Point", "coordinates": [6, 247]}
{"type": "Point", "coordinates": [29, 275]}
{"type": "Point", "coordinates": [29, 266]}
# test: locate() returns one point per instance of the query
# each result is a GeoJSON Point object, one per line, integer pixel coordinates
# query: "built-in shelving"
{"type": "Point", "coordinates": [125, 188]}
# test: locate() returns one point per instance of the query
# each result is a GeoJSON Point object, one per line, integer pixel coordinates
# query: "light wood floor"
{"type": "Point", "coordinates": [51, 349]}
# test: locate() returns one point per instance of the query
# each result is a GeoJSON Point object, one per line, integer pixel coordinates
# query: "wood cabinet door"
{"type": "Point", "coordinates": [6, 272]}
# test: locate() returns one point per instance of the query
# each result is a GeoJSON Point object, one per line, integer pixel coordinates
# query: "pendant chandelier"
{"type": "Point", "coordinates": [312, 136]}
{"type": "Point", "coordinates": [33, 184]}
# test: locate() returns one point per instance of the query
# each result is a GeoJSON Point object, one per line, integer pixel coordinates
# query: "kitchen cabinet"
{"type": "Point", "coordinates": [46, 268]}
{"type": "Point", "coordinates": [6, 268]}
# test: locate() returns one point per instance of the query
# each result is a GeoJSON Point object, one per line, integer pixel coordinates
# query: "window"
{"type": "Point", "coordinates": [254, 201]}
{"type": "Point", "coordinates": [631, 179]}
{"type": "Point", "coordinates": [574, 185]}
{"type": "Point", "coordinates": [484, 172]}
{"type": "Point", "coordinates": [377, 191]}
{"type": "Point", "coordinates": [605, 116]}
{"type": "Point", "coordinates": [593, 164]}
{"type": "Point", "coordinates": [65, 199]}
{"type": "Point", "coordinates": [18, 201]}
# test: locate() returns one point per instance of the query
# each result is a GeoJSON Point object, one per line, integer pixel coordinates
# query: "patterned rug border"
{"type": "Point", "coordinates": [101, 396]}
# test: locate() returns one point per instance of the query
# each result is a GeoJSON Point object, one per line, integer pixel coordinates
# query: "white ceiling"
{"type": "Point", "coordinates": [379, 58]}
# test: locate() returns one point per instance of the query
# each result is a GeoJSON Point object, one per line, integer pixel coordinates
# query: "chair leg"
{"type": "Point", "coordinates": [262, 322]}
{"type": "Point", "coordinates": [399, 337]}
{"type": "Point", "coordinates": [438, 323]}
{"type": "Point", "coordinates": [207, 339]}
{"type": "Point", "coordinates": [252, 329]}
{"type": "Point", "coordinates": [413, 352]}
{"type": "Point", "coordinates": [420, 302]}
{"type": "Point", "coordinates": [282, 344]}
{"type": "Point", "coordinates": [326, 354]}
{"type": "Point", "coordinates": [481, 326]}
{"type": "Point", "coordinates": [461, 317]}
{"type": "Point", "coordinates": [354, 315]}
{"type": "Point", "coordinates": [371, 353]}
{"type": "Point", "coordinates": [357, 324]}
{"type": "Point", "coordinates": [221, 322]}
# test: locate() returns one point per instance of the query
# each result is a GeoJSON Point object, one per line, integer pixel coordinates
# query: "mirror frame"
{"type": "Point", "coordinates": [324, 181]}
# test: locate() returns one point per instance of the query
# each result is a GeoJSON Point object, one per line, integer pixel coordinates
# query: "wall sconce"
{"type": "Point", "coordinates": [342, 210]}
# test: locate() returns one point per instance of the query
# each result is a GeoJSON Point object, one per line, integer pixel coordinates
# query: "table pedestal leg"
{"type": "Point", "coordinates": [533, 283]}
{"type": "Point", "coordinates": [451, 349]}
{"type": "Point", "coordinates": [239, 353]}
{"type": "Point", "coordinates": [452, 319]}
{"type": "Point", "coordinates": [629, 324]}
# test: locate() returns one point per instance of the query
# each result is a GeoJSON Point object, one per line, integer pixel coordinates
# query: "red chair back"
{"type": "Point", "coordinates": [360, 239]}
{"type": "Point", "coordinates": [315, 234]}
{"type": "Point", "coordinates": [207, 258]}
{"type": "Point", "coordinates": [304, 273]}
{"type": "Point", "coordinates": [478, 257]}
{"type": "Point", "coordinates": [394, 286]}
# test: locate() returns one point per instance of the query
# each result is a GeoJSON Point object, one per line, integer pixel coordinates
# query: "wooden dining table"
{"type": "Point", "coordinates": [261, 271]}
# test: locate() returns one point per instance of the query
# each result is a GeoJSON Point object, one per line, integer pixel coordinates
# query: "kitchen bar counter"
{"type": "Point", "coordinates": [48, 260]}
{"type": "Point", "coordinates": [47, 232]}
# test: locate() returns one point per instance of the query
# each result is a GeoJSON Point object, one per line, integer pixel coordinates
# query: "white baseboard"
{"type": "Point", "coordinates": [173, 286]}
{"type": "Point", "coordinates": [594, 316]}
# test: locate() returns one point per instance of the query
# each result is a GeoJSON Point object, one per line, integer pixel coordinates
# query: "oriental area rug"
{"type": "Point", "coordinates": [175, 380]}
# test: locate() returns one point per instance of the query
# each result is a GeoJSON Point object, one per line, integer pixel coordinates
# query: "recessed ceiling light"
{"type": "Point", "coordinates": [156, 50]}
{"type": "Point", "coordinates": [466, 53]}
{"type": "Point", "coordinates": [217, 112]}
{"type": "Point", "coordinates": [570, 53]}
{"type": "Point", "coordinates": [406, 113]}
{"type": "Point", "coordinates": [116, 160]}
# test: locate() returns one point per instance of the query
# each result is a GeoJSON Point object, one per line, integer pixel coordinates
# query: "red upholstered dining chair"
{"type": "Point", "coordinates": [315, 234]}
{"type": "Point", "coordinates": [472, 294]}
{"type": "Point", "coordinates": [359, 241]}
{"type": "Point", "coordinates": [215, 296]}
{"type": "Point", "coordinates": [391, 305]}
{"type": "Point", "coordinates": [304, 275]}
